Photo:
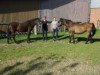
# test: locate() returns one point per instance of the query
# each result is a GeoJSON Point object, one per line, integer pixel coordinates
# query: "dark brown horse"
{"type": "Point", "coordinates": [27, 26]}
{"type": "Point", "coordinates": [78, 28]}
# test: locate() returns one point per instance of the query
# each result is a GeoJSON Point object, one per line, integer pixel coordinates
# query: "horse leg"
{"type": "Point", "coordinates": [13, 35]}
{"type": "Point", "coordinates": [28, 38]}
{"type": "Point", "coordinates": [69, 38]}
{"type": "Point", "coordinates": [73, 38]}
{"type": "Point", "coordinates": [88, 38]}
{"type": "Point", "coordinates": [8, 36]}
{"type": "Point", "coordinates": [91, 40]}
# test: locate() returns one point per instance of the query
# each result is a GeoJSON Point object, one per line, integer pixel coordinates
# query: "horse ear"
{"type": "Point", "coordinates": [88, 21]}
{"type": "Point", "coordinates": [61, 18]}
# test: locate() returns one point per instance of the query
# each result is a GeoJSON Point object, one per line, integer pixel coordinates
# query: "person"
{"type": "Point", "coordinates": [44, 28]}
{"type": "Point", "coordinates": [54, 27]}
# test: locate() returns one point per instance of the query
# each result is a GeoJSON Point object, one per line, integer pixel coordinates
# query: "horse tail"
{"type": "Point", "coordinates": [93, 29]}
{"type": "Point", "coordinates": [8, 33]}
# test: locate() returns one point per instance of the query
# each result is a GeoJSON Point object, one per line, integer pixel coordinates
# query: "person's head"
{"type": "Point", "coordinates": [44, 18]}
{"type": "Point", "coordinates": [54, 19]}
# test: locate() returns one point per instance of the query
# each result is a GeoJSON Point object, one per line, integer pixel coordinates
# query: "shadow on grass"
{"type": "Point", "coordinates": [96, 39]}
{"type": "Point", "coordinates": [48, 73]}
{"type": "Point", "coordinates": [31, 40]}
{"type": "Point", "coordinates": [51, 56]}
{"type": "Point", "coordinates": [73, 65]}
{"type": "Point", "coordinates": [21, 72]}
{"type": "Point", "coordinates": [38, 39]}
{"type": "Point", "coordinates": [63, 37]}
{"type": "Point", "coordinates": [33, 61]}
{"type": "Point", "coordinates": [84, 39]}
{"type": "Point", "coordinates": [70, 66]}
{"type": "Point", "coordinates": [17, 72]}
{"type": "Point", "coordinates": [34, 38]}
{"type": "Point", "coordinates": [9, 68]}
{"type": "Point", "coordinates": [35, 66]}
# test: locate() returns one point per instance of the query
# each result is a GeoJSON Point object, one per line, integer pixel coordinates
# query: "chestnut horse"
{"type": "Point", "coordinates": [27, 26]}
{"type": "Point", "coordinates": [78, 28]}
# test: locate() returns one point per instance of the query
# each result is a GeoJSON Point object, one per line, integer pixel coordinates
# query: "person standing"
{"type": "Point", "coordinates": [44, 28]}
{"type": "Point", "coordinates": [54, 27]}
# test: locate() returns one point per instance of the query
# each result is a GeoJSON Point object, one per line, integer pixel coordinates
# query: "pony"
{"type": "Point", "coordinates": [78, 28]}
{"type": "Point", "coordinates": [27, 26]}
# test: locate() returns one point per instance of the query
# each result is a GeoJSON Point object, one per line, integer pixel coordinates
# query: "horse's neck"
{"type": "Point", "coordinates": [69, 23]}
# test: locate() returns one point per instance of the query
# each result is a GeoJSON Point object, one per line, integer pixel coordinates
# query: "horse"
{"type": "Point", "coordinates": [27, 26]}
{"type": "Point", "coordinates": [78, 28]}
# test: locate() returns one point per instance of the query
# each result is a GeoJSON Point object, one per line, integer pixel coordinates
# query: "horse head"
{"type": "Point", "coordinates": [36, 21]}
{"type": "Point", "coordinates": [61, 22]}
{"type": "Point", "coordinates": [65, 22]}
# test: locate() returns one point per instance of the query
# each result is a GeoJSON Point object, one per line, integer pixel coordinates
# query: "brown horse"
{"type": "Point", "coordinates": [27, 26]}
{"type": "Point", "coordinates": [78, 28]}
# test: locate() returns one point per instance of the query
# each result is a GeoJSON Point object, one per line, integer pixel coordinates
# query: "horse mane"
{"type": "Point", "coordinates": [33, 19]}
{"type": "Point", "coordinates": [66, 19]}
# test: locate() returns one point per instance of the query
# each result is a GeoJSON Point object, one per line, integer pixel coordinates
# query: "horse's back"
{"type": "Point", "coordinates": [19, 27]}
{"type": "Point", "coordinates": [23, 27]}
{"type": "Point", "coordinates": [79, 28]}
{"type": "Point", "coordinates": [13, 26]}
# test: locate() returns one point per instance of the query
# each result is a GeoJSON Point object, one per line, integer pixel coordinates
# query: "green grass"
{"type": "Point", "coordinates": [59, 50]}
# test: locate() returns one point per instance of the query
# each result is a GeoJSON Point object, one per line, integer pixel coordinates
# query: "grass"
{"type": "Point", "coordinates": [50, 58]}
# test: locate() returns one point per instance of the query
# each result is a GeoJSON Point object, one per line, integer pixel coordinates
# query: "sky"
{"type": "Point", "coordinates": [95, 3]}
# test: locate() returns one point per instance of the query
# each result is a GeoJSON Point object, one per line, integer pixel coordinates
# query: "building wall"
{"type": "Point", "coordinates": [22, 10]}
{"type": "Point", "coordinates": [18, 10]}
{"type": "Point", "coordinates": [75, 10]}
{"type": "Point", "coordinates": [95, 17]}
